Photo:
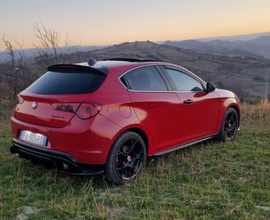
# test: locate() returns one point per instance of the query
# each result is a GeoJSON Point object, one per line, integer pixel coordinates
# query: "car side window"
{"type": "Point", "coordinates": [146, 79]}
{"type": "Point", "coordinates": [184, 82]}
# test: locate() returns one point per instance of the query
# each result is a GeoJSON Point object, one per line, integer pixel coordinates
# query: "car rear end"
{"type": "Point", "coordinates": [53, 119]}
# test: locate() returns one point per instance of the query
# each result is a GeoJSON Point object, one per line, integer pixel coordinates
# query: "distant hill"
{"type": "Point", "coordinates": [243, 73]}
{"type": "Point", "coordinates": [258, 48]}
{"type": "Point", "coordinates": [262, 41]}
{"type": "Point", "coordinates": [244, 37]}
{"type": "Point", "coordinates": [34, 52]}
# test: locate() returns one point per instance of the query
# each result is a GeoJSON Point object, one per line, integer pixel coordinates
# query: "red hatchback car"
{"type": "Point", "coordinates": [109, 116]}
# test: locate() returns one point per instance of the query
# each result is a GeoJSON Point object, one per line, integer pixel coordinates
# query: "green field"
{"type": "Point", "coordinates": [206, 181]}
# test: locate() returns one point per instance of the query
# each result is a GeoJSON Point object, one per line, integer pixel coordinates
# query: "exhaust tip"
{"type": "Point", "coordinates": [13, 150]}
{"type": "Point", "coordinates": [65, 166]}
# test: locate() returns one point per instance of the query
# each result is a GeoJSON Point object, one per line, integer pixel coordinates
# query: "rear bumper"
{"type": "Point", "coordinates": [64, 162]}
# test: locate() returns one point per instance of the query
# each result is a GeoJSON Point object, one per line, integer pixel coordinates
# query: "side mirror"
{"type": "Point", "coordinates": [210, 87]}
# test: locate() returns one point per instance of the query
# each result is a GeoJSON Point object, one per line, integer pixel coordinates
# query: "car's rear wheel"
{"type": "Point", "coordinates": [126, 159]}
{"type": "Point", "coordinates": [229, 125]}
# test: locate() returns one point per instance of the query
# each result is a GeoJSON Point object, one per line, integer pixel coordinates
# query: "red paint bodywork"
{"type": "Point", "coordinates": [162, 117]}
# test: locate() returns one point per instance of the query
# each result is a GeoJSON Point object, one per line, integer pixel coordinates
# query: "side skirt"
{"type": "Point", "coordinates": [184, 145]}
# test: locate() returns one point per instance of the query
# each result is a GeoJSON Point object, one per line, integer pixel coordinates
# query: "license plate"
{"type": "Point", "coordinates": [34, 138]}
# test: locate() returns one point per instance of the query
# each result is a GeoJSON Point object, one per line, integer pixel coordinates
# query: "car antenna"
{"type": "Point", "coordinates": [91, 62]}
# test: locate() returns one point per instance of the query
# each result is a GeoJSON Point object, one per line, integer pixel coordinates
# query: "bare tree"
{"type": "Point", "coordinates": [16, 74]}
{"type": "Point", "coordinates": [9, 83]}
{"type": "Point", "coordinates": [50, 48]}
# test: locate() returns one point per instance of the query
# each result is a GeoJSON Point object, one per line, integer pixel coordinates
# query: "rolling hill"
{"type": "Point", "coordinates": [242, 74]}
{"type": "Point", "coordinates": [259, 47]}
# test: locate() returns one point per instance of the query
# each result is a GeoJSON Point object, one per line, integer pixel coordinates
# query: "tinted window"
{"type": "Point", "coordinates": [67, 83]}
{"type": "Point", "coordinates": [183, 82]}
{"type": "Point", "coordinates": [146, 79]}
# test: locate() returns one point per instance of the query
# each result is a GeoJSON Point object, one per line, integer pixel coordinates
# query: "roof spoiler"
{"type": "Point", "coordinates": [130, 59]}
{"type": "Point", "coordinates": [68, 68]}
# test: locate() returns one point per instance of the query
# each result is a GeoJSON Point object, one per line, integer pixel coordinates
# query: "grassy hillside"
{"type": "Point", "coordinates": [210, 180]}
{"type": "Point", "coordinates": [229, 72]}
{"type": "Point", "coordinates": [243, 75]}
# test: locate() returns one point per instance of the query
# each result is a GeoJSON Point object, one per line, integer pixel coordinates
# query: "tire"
{"type": "Point", "coordinates": [229, 125]}
{"type": "Point", "coordinates": [126, 159]}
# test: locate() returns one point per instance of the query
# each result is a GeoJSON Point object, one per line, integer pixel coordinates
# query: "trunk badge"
{"type": "Point", "coordinates": [34, 105]}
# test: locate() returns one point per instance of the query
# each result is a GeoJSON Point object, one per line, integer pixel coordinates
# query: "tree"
{"type": "Point", "coordinates": [15, 73]}
{"type": "Point", "coordinates": [50, 48]}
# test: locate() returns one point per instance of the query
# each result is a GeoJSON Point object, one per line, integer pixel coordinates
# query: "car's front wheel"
{"type": "Point", "coordinates": [126, 159]}
{"type": "Point", "coordinates": [229, 125]}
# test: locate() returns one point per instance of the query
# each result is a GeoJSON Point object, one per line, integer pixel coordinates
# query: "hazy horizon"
{"type": "Point", "coordinates": [244, 37]}
{"type": "Point", "coordinates": [104, 23]}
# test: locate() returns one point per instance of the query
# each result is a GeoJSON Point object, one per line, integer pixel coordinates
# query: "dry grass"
{"type": "Point", "coordinates": [256, 115]}
{"type": "Point", "coordinates": [5, 113]}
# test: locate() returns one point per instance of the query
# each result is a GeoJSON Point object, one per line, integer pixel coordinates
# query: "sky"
{"type": "Point", "coordinates": [109, 22]}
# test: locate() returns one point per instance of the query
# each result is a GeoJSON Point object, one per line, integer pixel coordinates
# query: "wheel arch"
{"type": "Point", "coordinates": [225, 108]}
{"type": "Point", "coordinates": [238, 112]}
{"type": "Point", "coordinates": [143, 133]}
{"type": "Point", "coordinates": [143, 136]}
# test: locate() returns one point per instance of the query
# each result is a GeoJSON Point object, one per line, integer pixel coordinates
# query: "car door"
{"type": "Point", "coordinates": [155, 106]}
{"type": "Point", "coordinates": [200, 108]}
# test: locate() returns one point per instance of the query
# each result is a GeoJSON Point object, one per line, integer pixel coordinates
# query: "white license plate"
{"type": "Point", "coordinates": [33, 137]}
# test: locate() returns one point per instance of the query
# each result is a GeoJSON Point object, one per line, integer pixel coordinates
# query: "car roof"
{"type": "Point", "coordinates": [104, 65]}
{"type": "Point", "coordinates": [101, 67]}
{"type": "Point", "coordinates": [116, 62]}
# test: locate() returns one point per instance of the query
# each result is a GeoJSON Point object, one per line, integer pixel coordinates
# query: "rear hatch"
{"type": "Point", "coordinates": [61, 84]}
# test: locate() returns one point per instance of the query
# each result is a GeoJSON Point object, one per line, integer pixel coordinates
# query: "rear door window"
{"type": "Point", "coordinates": [64, 83]}
{"type": "Point", "coordinates": [146, 79]}
{"type": "Point", "coordinates": [184, 82]}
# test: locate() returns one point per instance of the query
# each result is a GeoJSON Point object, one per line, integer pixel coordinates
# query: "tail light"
{"type": "Point", "coordinates": [88, 110]}
{"type": "Point", "coordinates": [19, 99]}
{"type": "Point", "coordinates": [83, 110]}
{"type": "Point", "coordinates": [66, 107]}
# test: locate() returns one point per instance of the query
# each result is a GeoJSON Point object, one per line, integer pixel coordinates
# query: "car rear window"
{"type": "Point", "coordinates": [64, 83]}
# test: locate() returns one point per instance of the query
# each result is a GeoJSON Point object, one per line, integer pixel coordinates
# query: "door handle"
{"type": "Point", "coordinates": [188, 101]}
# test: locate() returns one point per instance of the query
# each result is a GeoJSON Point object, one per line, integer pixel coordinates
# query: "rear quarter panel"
{"type": "Point", "coordinates": [117, 107]}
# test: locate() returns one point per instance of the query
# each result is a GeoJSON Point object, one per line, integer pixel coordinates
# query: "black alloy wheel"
{"type": "Point", "coordinates": [229, 125]}
{"type": "Point", "coordinates": [126, 158]}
